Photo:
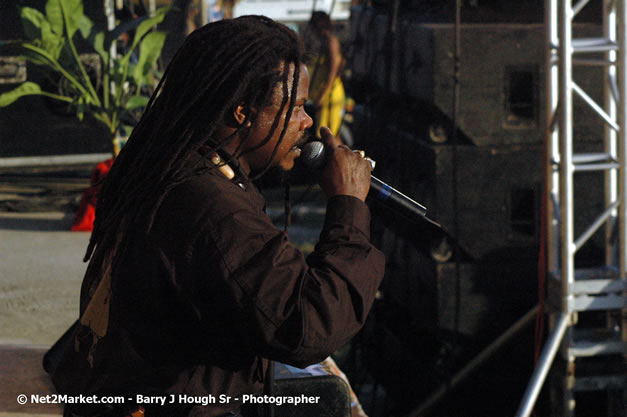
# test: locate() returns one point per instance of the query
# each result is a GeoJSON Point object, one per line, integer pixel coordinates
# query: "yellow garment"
{"type": "Point", "coordinates": [331, 109]}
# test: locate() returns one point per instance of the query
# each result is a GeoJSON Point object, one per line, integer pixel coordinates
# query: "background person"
{"type": "Point", "coordinates": [326, 90]}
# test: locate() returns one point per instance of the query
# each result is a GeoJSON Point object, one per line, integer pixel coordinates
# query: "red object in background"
{"type": "Point", "coordinates": [84, 220]}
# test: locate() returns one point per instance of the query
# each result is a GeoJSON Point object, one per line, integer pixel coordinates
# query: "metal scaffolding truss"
{"type": "Point", "coordinates": [602, 288]}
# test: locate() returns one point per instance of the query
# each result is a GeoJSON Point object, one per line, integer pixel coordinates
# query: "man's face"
{"type": "Point", "coordinates": [294, 137]}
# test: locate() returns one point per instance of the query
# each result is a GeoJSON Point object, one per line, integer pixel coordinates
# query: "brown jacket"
{"type": "Point", "coordinates": [213, 291]}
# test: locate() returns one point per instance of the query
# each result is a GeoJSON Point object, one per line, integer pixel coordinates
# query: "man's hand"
{"type": "Point", "coordinates": [345, 172]}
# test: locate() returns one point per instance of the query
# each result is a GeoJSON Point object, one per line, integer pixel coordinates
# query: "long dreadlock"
{"type": "Point", "coordinates": [218, 67]}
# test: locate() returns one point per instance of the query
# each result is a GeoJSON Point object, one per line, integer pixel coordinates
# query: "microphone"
{"type": "Point", "coordinates": [312, 157]}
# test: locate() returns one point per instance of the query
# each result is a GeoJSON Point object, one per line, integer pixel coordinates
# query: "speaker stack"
{"type": "Point", "coordinates": [450, 291]}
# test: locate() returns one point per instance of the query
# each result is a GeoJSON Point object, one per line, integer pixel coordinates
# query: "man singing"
{"type": "Point", "coordinates": [190, 288]}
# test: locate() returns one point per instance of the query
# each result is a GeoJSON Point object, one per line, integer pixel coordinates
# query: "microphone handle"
{"type": "Point", "coordinates": [384, 192]}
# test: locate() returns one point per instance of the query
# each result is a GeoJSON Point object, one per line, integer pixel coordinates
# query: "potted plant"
{"type": "Point", "coordinates": [111, 95]}
{"type": "Point", "coordinates": [121, 88]}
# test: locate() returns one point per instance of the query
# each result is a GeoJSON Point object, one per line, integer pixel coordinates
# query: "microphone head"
{"type": "Point", "coordinates": [312, 155]}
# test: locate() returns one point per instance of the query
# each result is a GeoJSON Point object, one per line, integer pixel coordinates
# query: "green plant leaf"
{"type": "Point", "coordinates": [141, 25]}
{"type": "Point", "coordinates": [128, 129]}
{"type": "Point", "coordinates": [54, 13]}
{"type": "Point", "coordinates": [85, 26]}
{"type": "Point", "coordinates": [81, 108]}
{"type": "Point", "coordinates": [95, 38]}
{"type": "Point", "coordinates": [50, 41]}
{"type": "Point", "coordinates": [57, 10]}
{"type": "Point", "coordinates": [52, 63]}
{"type": "Point", "coordinates": [31, 21]}
{"type": "Point", "coordinates": [38, 29]}
{"type": "Point", "coordinates": [73, 10]}
{"type": "Point", "coordinates": [145, 26]}
{"type": "Point", "coordinates": [136, 102]}
{"type": "Point", "coordinates": [33, 56]}
{"type": "Point", "coordinates": [149, 51]}
{"type": "Point", "coordinates": [25, 89]}
{"type": "Point", "coordinates": [115, 72]}
{"type": "Point", "coordinates": [67, 61]}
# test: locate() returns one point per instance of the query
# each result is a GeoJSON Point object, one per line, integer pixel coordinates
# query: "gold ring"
{"type": "Point", "coordinates": [362, 153]}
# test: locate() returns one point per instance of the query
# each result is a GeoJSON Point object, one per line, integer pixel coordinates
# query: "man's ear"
{"type": "Point", "coordinates": [242, 114]}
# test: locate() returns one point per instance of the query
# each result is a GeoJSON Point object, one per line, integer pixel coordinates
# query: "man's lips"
{"type": "Point", "coordinates": [299, 143]}
{"type": "Point", "coordinates": [296, 150]}
{"type": "Point", "coordinates": [306, 137]}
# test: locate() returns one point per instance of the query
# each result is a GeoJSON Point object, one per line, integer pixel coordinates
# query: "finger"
{"type": "Point", "coordinates": [328, 138]}
{"type": "Point", "coordinates": [326, 135]}
{"type": "Point", "coordinates": [361, 153]}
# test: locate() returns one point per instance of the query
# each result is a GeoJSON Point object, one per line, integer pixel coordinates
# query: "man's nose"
{"type": "Point", "coordinates": [307, 122]}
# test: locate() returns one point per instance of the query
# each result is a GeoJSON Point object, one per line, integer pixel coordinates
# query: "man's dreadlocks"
{"type": "Point", "coordinates": [220, 66]}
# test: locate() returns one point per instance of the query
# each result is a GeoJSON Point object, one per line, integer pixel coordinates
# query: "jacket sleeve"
{"type": "Point", "coordinates": [292, 309]}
